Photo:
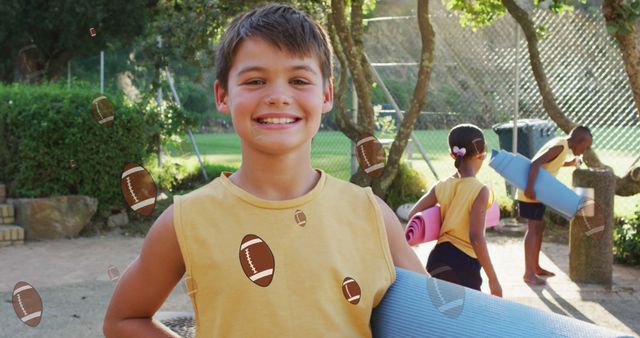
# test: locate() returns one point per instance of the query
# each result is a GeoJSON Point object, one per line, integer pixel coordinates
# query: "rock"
{"type": "Point", "coordinates": [403, 211]}
{"type": "Point", "coordinates": [118, 220]}
{"type": "Point", "coordinates": [54, 217]}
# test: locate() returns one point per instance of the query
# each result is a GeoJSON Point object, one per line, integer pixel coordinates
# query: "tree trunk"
{"type": "Point", "coordinates": [548, 100]}
{"type": "Point", "coordinates": [57, 64]}
{"type": "Point", "coordinates": [419, 98]}
{"type": "Point", "coordinates": [628, 44]}
{"type": "Point", "coordinates": [349, 48]}
{"type": "Point", "coordinates": [354, 56]}
{"type": "Point", "coordinates": [343, 121]}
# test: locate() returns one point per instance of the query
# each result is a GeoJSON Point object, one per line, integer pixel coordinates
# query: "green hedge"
{"type": "Point", "coordinates": [44, 128]}
{"type": "Point", "coordinates": [407, 187]}
{"type": "Point", "coordinates": [626, 240]}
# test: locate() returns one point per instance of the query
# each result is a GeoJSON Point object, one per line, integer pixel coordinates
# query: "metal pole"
{"type": "Point", "coordinates": [354, 101]}
{"type": "Point", "coordinates": [516, 104]}
{"type": "Point", "coordinates": [69, 74]}
{"type": "Point", "coordinates": [102, 71]}
{"type": "Point", "coordinates": [400, 117]}
{"type": "Point", "coordinates": [160, 107]}
{"type": "Point", "coordinates": [193, 140]}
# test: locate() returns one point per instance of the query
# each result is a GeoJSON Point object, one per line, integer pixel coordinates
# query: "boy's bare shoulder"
{"type": "Point", "coordinates": [162, 240]}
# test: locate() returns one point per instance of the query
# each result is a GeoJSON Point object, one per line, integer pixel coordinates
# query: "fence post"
{"type": "Point", "coordinates": [354, 101]}
{"type": "Point", "coordinates": [591, 248]}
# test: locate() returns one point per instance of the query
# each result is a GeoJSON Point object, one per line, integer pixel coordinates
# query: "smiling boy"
{"type": "Point", "coordinates": [277, 248]}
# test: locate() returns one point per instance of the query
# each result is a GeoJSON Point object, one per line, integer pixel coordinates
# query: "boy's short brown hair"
{"type": "Point", "coordinates": [281, 25]}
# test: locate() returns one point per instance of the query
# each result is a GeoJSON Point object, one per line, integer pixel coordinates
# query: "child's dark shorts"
{"type": "Point", "coordinates": [533, 211]}
{"type": "Point", "coordinates": [449, 263]}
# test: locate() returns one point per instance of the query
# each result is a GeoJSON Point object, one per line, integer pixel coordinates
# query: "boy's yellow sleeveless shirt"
{"type": "Point", "coordinates": [261, 268]}
{"type": "Point", "coordinates": [456, 197]}
{"type": "Point", "coordinates": [552, 166]}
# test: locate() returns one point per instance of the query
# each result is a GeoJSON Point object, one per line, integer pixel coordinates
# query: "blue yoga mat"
{"type": "Point", "coordinates": [420, 306]}
{"type": "Point", "coordinates": [549, 190]}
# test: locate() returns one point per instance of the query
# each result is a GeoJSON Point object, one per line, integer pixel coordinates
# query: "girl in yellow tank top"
{"type": "Point", "coordinates": [461, 249]}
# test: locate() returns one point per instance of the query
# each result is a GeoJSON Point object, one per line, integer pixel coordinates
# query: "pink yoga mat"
{"type": "Point", "coordinates": [493, 216]}
{"type": "Point", "coordinates": [424, 226]}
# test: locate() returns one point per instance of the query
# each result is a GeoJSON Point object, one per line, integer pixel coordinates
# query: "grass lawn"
{"type": "Point", "coordinates": [331, 152]}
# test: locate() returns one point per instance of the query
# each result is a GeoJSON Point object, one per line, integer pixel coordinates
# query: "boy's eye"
{"type": "Point", "coordinates": [300, 82]}
{"type": "Point", "coordinates": [254, 82]}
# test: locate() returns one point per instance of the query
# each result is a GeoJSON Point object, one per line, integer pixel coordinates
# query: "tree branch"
{"type": "Point", "coordinates": [548, 100]}
{"type": "Point", "coordinates": [354, 56]}
{"type": "Point", "coordinates": [627, 42]}
{"type": "Point", "coordinates": [343, 121]}
{"type": "Point", "coordinates": [427, 36]}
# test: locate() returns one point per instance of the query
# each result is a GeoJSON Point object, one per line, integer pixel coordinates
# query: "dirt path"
{"type": "Point", "coordinates": [71, 276]}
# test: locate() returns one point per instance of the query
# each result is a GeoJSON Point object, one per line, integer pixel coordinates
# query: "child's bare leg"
{"type": "Point", "coordinates": [538, 270]}
{"type": "Point", "coordinates": [530, 256]}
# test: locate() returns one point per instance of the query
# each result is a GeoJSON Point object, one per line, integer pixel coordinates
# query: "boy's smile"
{"type": "Point", "coordinates": [275, 98]}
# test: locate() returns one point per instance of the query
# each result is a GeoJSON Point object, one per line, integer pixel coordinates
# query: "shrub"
{"type": "Point", "coordinates": [626, 240]}
{"type": "Point", "coordinates": [44, 128]}
{"type": "Point", "coordinates": [407, 187]}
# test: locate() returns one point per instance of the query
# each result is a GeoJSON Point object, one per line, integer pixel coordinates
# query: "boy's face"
{"type": "Point", "coordinates": [582, 145]}
{"type": "Point", "coordinates": [275, 99]}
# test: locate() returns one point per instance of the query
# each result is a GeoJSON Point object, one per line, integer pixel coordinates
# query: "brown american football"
{"type": "Point", "coordinates": [102, 110]}
{"type": "Point", "coordinates": [351, 290]}
{"type": "Point", "coordinates": [370, 155]}
{"type": "Point", "coordinates": [27, 303]}
{"type": "Point", "coordinates": [138, 188]}
{"type": "Point", "coordinates": [257, 260]}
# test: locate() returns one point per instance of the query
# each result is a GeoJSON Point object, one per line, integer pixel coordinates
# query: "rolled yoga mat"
{"type": "Point", "coordinates": [549, 190]}
{"type": "Point", "coordinates": [420, 306]}
{"type": "Point", "coordinates": [424, 226]}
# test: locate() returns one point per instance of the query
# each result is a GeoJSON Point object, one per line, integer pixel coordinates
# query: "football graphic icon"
{"type": "Point", "coordinates": [301, 218]}
{"type": "Point", "coordinates": [138, 188]}
{"type": "Point", "coordinates": [447, 298]}
{"type": "Point", "coordinates": [27, 303]}
{"type": "Point", "coordinates": [257, 260]}
{"type": "Point", "coordinates": [102, 110]}
{"type": "Point", "coordinates": [113, 273]}
{"type": "Point", "coordinates": [351, 290]}
{"type": "Point", "coordinates": [370, 155]}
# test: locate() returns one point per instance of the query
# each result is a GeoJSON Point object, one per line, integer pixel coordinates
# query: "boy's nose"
{"type": "Point", "coordinates": [278, 95]}
{"type": "Point", "coordinates": [278, 98]}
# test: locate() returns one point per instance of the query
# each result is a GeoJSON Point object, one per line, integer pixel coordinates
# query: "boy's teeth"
{"type": "Point", "coordinates": [273, 120]}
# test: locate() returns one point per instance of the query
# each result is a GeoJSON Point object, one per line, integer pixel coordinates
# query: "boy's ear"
{"type": "Point", "coordinates": [221, 98]}
{"type": "Point", "coordinates": [327, 96]}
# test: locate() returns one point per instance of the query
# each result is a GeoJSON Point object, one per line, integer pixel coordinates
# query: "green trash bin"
{"type": "Point", "coordinates": [532, 135]}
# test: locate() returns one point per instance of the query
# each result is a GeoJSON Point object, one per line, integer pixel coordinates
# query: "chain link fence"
{"type": "Point", "coordinates": [482, 77]}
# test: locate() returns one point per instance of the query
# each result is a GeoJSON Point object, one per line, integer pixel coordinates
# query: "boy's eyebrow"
{"type": "Point", "coordinates": [259, 68]}
{"type": "Point", "coordinates": [304, 67]}
{"type": "Point", "coordinates": [250, 69]}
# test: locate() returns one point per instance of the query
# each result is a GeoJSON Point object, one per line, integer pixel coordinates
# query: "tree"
{"type": "Point", "coordinates": [347, 30]}
{"type": "Point", "coordinates": [622, 23]}
{"type": "Point", "coordinates": [485, 12]}
{"type": "Point", "coordinates": [39, 37]}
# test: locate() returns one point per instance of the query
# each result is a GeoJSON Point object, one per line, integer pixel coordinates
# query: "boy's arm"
{"type": "Point", "coordinates": [146, 284]}
{"type": "Point", "coordinates": [548, 156]}
{"type": "Point", "coordinates": [476, 236]}
{"type": "Point", "coordinates": [426, 201]}
{"type": "Point", "coordinates": [402, 254]}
